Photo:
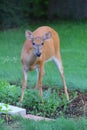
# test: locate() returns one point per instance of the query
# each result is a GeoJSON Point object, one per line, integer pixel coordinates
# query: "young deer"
{"type": "Point", "coordinates": [40, 46]}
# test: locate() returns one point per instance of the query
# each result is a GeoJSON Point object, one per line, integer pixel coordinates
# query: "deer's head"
{"type": "Point", "coordinates": [37, 42]}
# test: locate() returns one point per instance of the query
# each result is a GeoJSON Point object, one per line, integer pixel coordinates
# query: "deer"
{"type": "Point", "coordinates": [39, 47]}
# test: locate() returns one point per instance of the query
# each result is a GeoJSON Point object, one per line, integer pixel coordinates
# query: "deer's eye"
{"type": "Point", "coordinates": [33, 43]}
{"type": "Point", "coordinates": [42, 43]}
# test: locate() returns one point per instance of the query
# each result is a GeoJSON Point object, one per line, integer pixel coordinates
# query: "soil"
{"type": "Point", "coordinates": [78, 107]}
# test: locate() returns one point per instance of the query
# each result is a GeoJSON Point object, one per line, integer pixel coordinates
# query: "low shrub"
{"type": "Point", "coordinates": [52, 105]}
{"type": "Point", "coordinates": [47, 106]}
{"type": "Point", "coordinates": [9, 93]}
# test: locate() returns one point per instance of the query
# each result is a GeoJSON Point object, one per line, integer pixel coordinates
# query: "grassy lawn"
{"type": "Point", "coordinates": [59, 124]}
{"type": "Point", "coordinates": [73, 37]}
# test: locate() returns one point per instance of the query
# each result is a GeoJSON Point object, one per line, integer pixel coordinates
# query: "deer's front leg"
{"type": "Point", "coordinates": [25, 71]}
{"type": "Point", "coordinates": [40, 73]}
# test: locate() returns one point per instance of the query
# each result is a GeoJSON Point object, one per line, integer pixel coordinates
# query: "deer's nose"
{"type": "Point", "coordinates": [38, 54]}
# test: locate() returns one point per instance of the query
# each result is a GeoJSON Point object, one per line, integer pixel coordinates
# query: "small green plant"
{"type": "Point", "coordinates": [9, 94]}
{"type": "Point", "coordinates": [31, 100]}
{"type": "Point", "coordinates": [49, 108]}
{"type": "Point", "coordinates": [4, 109]}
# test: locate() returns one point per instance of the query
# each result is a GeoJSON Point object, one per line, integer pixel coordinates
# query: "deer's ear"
{"type": "Point", "coordinates": [29, 35]}
{"type": "Point", "coordinates": [47, 35]}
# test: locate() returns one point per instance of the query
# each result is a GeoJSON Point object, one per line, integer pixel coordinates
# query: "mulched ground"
{"type": "Point", "coordinates": [78, 107]}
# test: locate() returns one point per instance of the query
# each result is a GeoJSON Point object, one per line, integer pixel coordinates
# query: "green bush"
{"type": "Point", "coordinates": [51, 105]}
{"type": "Point", "coordinates": [47, 106]}
{"type": "Point", "coordinates": [9, 93]}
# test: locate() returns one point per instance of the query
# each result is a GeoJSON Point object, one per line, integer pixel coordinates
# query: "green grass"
{"type": "Point", "coordinates": [59, 124]}
{"type": "Point", "coordinates": [73, 37]}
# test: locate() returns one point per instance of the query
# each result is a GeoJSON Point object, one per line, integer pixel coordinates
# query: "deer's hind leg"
{"type": "Point", "coordinates": [57, 60]}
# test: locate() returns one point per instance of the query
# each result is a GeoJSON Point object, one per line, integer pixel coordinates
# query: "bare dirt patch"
{"type": "Point", "coordinates": [78, 107]}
